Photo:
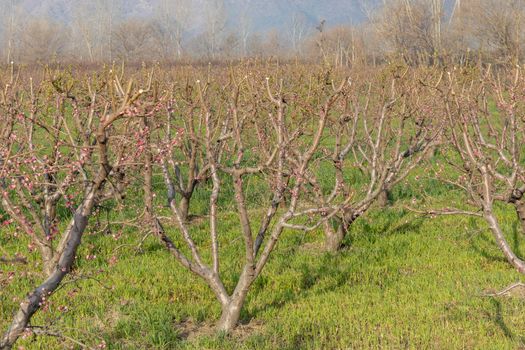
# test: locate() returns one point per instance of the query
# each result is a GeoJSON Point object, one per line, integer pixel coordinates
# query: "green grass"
{"type": "Point", "coordinates": [402, 282]}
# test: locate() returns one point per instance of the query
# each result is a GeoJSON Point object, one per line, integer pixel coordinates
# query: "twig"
{"type": "Point", "coordinates": [138, 247]}
{"type": "Point", "coordinates": [20, 260]}
{"type": "Point", "coordinates": [141, 243]}
{"type": "Point", "coordinates": [445, 211]}
{"type": "Point", "coordinates": [80, 278]}
{"type": "Point", "coordinates": [43, 331]}
{"type": "Point", "coordinates": [506, 290]}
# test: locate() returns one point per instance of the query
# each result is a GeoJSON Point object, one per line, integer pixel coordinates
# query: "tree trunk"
{"type": "Point", "coordinates": [334, 237]}
{"type": "Point", "coordinates": [502, 242]}
{"type": "Point", "coordinates": [231, 314]}
{"type": "Point", "coordinates": [48, 260]}
{"type": "Point", "coordinates": [231, 310]}
{"type": "Point", "coordinates": [520, 210]}
{"type": "Point", "coordinates": [34, 300]}
{"type": "Point", "coordinates": [185, 208]}
{"type": "Point", "coordinates": [383, 199]}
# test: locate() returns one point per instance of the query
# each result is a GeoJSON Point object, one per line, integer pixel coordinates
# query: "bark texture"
{"type": "Point", "coordinates": [37, 297]}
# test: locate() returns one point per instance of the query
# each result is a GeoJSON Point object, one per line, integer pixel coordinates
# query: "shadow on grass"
{"type": "Point", "coordinates": [311, 275]}
{"type": "Point", "coordinates": [514, 241]}
{"type": "Point", "coordinates": [483, 251]}
{"type": "Point", "coordinates": [499, 320]}
{"type": "Point", "coordinates": [326, 268]}
{"type": "Point", "coordinates": [373, 229]}
{"type": "Point", "coordinates": [323, 273]}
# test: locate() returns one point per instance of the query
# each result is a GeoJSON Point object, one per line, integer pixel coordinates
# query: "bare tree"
{"type": "Point", "coordinates": [215, 24]}
{"type": "Point", "coordinates": [241, 132]}
{"type": "Point", "coordinates": [108, 14]}
{"type": "Point", "coordinates": [298, 29]}
{"type": "Point", "coordinates": [488, 156]}
{"type": "Point", "coordinates": [133, 40]}
{"type": "Point", "coordinates": [342, 46]}
{"type": "Point", "coordinates": [41, 39]}
{"type": "Point", "coordinates": [412, 28]}
{"type": "Point", "coordinates": [245, 26]}
{"type": "Point", "coordinates": [36, 177]}
{"type": "Point", "coordinates": [184, 166]}
{"type": "Point", "coordinates": [273, 44]}
{"type": "Point", "coordinates": [88, 30]}
{"type": "Point", "coordinates": [496, 26]}
{"type": "Point", "coordinates": [384, 131]}
{"type": "Point", "coordinates": [172, 19]}
{"type": "Point", "coordinates": [10, 18]}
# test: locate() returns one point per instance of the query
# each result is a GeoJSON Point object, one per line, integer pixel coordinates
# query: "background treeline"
{"type": "Point", "coordinates": [419, 31]}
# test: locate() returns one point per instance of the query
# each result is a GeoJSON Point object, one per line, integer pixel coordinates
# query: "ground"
{"type": "Point", "coordinates": [402, 281]}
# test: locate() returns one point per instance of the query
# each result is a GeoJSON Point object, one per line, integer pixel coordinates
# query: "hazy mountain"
{"type": "Point", "coordinates": [266, 14]}
{"type": "Point", "coordinates": [262, 14]}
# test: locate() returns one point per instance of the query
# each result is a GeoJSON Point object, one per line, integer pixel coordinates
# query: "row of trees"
{"type": "Point", "coordinates": [420, 31]}
{"type": "Point", "coordinates": [324, 146]}
{"type": "Point", "coordinates": [427, 32]}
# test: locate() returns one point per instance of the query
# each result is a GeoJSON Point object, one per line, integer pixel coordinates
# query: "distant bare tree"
{"type": "Point", "coordinates": [412, 28]}
{"type": "Point", "coordinates": [215, 24]}
{"type": "Point", "coordinates": [10, 18]}
{"type": "Point", "coordinates": [496, 26]}
{"type": "Point", "coordinates": [87, 30]}
{"type": "Point", "coordinates": [342, 46]}
{"type": "Point", "coordinates": [231, 45]}
{"type": "Point", "coordinates": [298, 29]}
{"type": "Point", "coordinates": [457, 40]}
{"type": "Point", "coordinates": [41, 39]}
{"type": "Point", "coordinates": [171, 21]}
{"type": "Point", "coordinates": [245, 27]}
{"type": "Point", "coordinates": [133, 40]}
{"type": "Point", "coordinates": [108, 13]}
{"type": "Point", "coordinates": [273, 44]}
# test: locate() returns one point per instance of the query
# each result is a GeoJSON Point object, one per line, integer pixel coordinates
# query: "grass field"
{"type": "Point", "coordinates": [402, 282]}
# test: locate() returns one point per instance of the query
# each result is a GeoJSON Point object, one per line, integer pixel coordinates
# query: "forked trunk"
{"type": "Point", "coordinates": [231, 314]}
{"type": "Point", "coordinates": [334, 236]}
{"type": "Point", "coordinates": [231, 310]}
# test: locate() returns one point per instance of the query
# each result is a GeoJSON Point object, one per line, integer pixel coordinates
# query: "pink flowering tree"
{"type": "Point", "coordinates": [57, 164]}
{"type": "Point", "coordinates": [183, 161]}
